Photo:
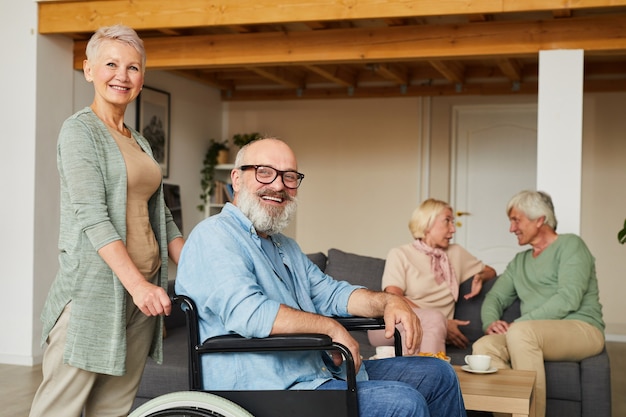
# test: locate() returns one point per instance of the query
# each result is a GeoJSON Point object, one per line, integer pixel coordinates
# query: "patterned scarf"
{"type": "Point", "coordinates": [440, 266]}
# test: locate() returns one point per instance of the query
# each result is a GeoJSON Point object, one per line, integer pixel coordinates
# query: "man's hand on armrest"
{"type": "Point", "coordinates": [394, 310]}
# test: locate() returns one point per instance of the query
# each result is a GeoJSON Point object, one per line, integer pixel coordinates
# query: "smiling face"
{"type": "Point", "coordinates": [116, 73]}
{"type": "Point", "coordinates": [442, 230]}
{"type": "Point", "coordinates": [269, 206]}
{"type": "Point", "coordinates": [525, 229]}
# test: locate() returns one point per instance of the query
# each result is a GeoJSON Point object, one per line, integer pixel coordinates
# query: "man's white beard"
{"type": "Point", "coordinates": [266, 219]}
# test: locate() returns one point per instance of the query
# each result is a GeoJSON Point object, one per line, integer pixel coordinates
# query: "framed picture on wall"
{"type": "Point", "coordinates": [153, 122]}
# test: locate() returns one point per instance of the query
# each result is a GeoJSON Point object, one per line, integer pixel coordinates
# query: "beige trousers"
{"type": "Point", "coordinates": [68, 391]}
{"type": "Point", "coordinates": [527, 344]}
{"type": "Point", "coordinates": [434, 332]}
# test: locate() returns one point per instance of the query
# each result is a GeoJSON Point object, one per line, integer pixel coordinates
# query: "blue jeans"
{"type": "Point", "coordinates": [408, 386]}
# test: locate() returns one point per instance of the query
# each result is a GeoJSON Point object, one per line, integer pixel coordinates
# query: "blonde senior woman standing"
{"type": "Point", "coordinates": [428, 272]}
{"type": "Point", "coordinates": [104, 312]}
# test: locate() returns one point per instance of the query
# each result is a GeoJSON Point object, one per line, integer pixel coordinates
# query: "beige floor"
{"type": "Point", "coordinates": [18, 384]}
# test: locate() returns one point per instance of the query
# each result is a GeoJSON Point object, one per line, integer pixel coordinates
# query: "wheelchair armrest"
{"type": "Point", "coordinates": [273, 343]}
{"type": "Point", "coordinates": [237, 343]}
{"type": "Point", "coordinates": [361, 323]}
{"type": "Point", "coordinates": [371, 323]}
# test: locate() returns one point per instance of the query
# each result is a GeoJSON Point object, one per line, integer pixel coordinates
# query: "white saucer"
{"type": "Point", "coordinates": [466, 368]}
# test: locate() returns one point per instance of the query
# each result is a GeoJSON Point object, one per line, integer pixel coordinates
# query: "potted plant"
{"type": "Point", "coordinates": [207, 180]}
{"type": "Point", "coordinates": [242, 139]}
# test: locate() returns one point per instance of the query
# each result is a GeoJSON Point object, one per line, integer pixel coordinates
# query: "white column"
{"type": "Point", "coordinates": [559, 136]}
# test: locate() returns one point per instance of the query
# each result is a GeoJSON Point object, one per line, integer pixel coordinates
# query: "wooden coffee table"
{"type": "Point", "coordinates": [505, 391]}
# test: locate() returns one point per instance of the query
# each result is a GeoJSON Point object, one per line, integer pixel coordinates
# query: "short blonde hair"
{"type": "Point", "coordinates": [424, 216]}
{"type": "Point", "coordinates": [119, 33]}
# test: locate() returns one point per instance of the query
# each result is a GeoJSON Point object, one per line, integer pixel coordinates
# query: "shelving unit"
{"type": "Point", "coordinates": [222, 173]}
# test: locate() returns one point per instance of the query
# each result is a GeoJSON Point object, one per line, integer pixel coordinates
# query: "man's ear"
{"type": "Point", "coordinates": [235, 178]}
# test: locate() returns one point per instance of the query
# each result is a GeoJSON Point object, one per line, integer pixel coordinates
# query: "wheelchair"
{"type": "Point", "coordinates": [260, 403]}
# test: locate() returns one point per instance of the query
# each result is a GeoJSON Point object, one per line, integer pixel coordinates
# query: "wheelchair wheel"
{"type": "Point", "coordinates": [190, 404]}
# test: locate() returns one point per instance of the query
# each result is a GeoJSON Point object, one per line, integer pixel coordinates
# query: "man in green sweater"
{"type": "Point", "coordinates": [556, 283]}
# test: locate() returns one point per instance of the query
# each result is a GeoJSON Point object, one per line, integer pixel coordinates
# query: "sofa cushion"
{"type": "Point", "coordinates": [319, 259]}
{"type": "Point", "coordinates": [356, 269]}
{"type": "Point", "coordinates": [563, 381]}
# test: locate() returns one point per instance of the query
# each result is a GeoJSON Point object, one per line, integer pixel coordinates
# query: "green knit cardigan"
{"type": "Point", "coordinates": [93, 214]}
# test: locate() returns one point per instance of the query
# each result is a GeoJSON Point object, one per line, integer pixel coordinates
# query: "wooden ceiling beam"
{"type": "Point", "coordinates": [411, 91]}
{"type": "Point", "coordinates": [474, 40]}
{"type": "Point", "coordinates": [451, 70]}
{"type": "Point", "coordinates": [562, 13]}
{"type": "Point", "coordinates": [170, 32]}
{"type": "Point", "coordinates": [369, 92]}
{"type": "Point", "coordinates": [86, 16]}
{"type": "Point", "coordinates": [279, 76]}
{"type": "Point", "coordinates": [511, 69]}
{"type": "Point", "coordinates": [478, 18]}
{"type": "Point", "coordinates": [336, 74]}
{"type": "Point", "coordinates": [397, 74]}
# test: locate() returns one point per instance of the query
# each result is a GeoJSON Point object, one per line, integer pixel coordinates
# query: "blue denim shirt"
{"type": "Point", "coordinates": [237, 290]}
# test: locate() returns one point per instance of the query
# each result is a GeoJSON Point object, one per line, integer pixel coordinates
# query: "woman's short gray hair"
{"type": "Point", "coordinates": [119, 33]}
{"type": "Point", "coordinates": [534, 204]}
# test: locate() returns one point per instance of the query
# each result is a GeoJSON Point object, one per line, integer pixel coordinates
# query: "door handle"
{"type": "Point", "coordinates": [462, 213]}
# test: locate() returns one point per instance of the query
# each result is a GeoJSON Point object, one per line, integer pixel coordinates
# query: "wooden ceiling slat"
{"type": "Point", "coordinates": [411, 91]}
{"type": "Point", "coordinates": [452, 70]}
{"type": "Point", "coordinates": [399, 75]}
{"type": "Point", "coordinates": [491, 39]}
{"type": "Point", "coordinates": [88, 15]}
{"type": "Point", "coordinates": [511, 68]}
{"type": "Point", "coordinates": [335, 74]}
{"type": "Point", "coordinates": [278, 76]}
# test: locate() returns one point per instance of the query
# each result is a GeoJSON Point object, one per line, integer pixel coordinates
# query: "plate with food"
{"type": "Point", "coordinates": [438, 355]}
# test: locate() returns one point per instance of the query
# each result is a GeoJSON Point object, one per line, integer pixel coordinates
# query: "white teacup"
{"type": "Point", "coordinates": [478, 362]}
{"type": "Point", "coordinates": [385, 352]}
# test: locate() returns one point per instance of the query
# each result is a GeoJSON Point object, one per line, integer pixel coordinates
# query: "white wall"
{"type": "Point", "coordinates": [17, 169]}
{"type": "Point", "coordinates": [559, 133]}
{"type": "Point", "coordinates": [604, 200]}
{"type": "Point", "coordinates": [53, 103]}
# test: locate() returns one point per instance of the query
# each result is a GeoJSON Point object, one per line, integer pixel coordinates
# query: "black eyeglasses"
{"type": "Point", "coordinates": [267, 175]}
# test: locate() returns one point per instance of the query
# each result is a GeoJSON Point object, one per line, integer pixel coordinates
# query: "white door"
{"type": "Point", "coordinates": [494, 155]}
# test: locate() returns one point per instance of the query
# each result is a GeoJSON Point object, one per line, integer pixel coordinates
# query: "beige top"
{"type": "Point", "coordinates": [144, 179]}
{"type": "Point", "coordinates": [409, 269]}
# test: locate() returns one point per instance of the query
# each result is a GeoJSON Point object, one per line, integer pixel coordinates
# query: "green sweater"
{"type": "Point", "coordinates": [93, 214]}
{"type": "Point", "coordinates": [559, 284]}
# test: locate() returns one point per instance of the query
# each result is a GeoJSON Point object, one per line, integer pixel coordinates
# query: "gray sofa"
{"type": "Point", "coordinates": [574, 389]}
